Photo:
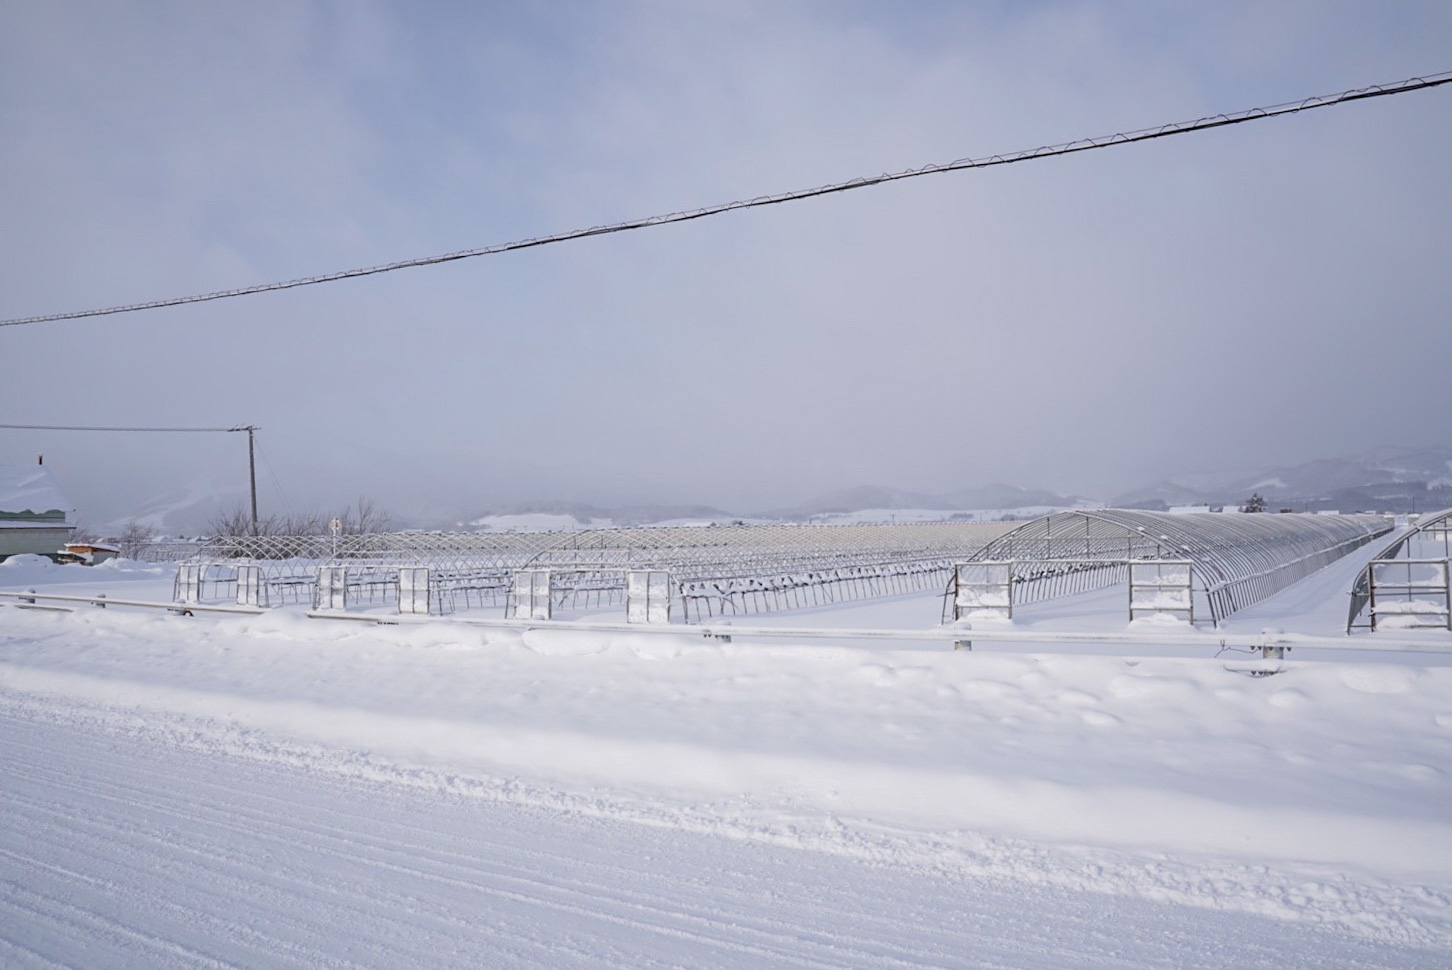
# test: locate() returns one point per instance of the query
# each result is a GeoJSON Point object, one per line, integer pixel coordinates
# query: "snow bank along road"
{"type": "Point", "coordinates": [266, 791]}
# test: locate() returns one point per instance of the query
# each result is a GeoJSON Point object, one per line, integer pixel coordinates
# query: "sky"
{"type": "Point", "coordinates": [1243, 298]}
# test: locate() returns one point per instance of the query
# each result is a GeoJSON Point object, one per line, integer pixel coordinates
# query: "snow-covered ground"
{"type": "Point", "coordinates": [879, 516]}
{"type": "Point", "coordinates": [278, 791]}
{"type": "Point", "coordinates": [538, 522]}
{"type": "Point", "coordinates": [562, 522]}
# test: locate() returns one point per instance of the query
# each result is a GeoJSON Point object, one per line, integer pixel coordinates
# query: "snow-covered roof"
{"type": "Point", "coordinates": [29, 488]}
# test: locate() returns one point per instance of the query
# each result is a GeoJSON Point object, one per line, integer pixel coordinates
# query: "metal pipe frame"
{"type": "Point", "coordinates": [721, 570]}
{"type": "Point", "coordinates": [1239, 559]}
{"type": "Point", "coordinates": [1423, 540]}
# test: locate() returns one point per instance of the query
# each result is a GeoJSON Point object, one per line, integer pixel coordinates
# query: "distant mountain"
{"type": "Point", "coordinates": [1000, 496]}
{"type": "Point", "coordinates": [580, 514]}
{"type": "Point", "coordinates": [650, 514]}
{"type": "Point", "coordinates": [853, 499]}
{"type": "Point", "coordinates": [184, 511]}
{"type": "Point", "coordinates": [1162, 495]}
{"type": "Point", "coordinates": [571, 515]}
{"type": "Point", "coordinates": [1385, 479]}
{"type": "Point", "coordinates": [579, 511]}
{"type": "Point", "coordinates": [995, 496]}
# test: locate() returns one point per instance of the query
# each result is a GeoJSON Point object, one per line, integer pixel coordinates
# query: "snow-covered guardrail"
{"type": "Point", "coordinates": [30, 598]}
{"type": "Point", "coordinates": [957, 634]}
{"type": "Point", "coordinates": [1269, 643]}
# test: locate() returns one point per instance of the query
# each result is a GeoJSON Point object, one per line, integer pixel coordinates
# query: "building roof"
{"type": "Point", "coordinates": [29, 488]}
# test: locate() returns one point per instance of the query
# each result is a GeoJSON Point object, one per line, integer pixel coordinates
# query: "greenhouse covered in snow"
{"type": "Point", "coordinates": [1187, 565]}
{"type": "Point", "coordinates": [1407, 585]}
{"type": "Point", "coordinates": [689, 572]}
{"type": "Point", "coordinates": [1191, 566]}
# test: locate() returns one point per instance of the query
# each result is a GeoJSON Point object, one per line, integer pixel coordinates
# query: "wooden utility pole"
{"type": "Point", "coordinates": [252, 474]}
{"type": "Point", "coordinates": [251, 430]}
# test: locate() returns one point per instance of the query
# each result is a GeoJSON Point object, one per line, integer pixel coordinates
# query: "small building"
{"type": "Point", "coordinates": [89, 553]}
{"type": "Point", "coordinates": [35, 515]}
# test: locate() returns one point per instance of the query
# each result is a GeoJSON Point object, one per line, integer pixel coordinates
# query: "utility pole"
{"type": "Point", "coordinates": [251, 429]}
{"type": "Point", "coordinates": [252, 474]}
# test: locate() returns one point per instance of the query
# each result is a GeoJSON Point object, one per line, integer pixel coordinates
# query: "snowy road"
{"type": "Point", "coordinates": [122, 849]}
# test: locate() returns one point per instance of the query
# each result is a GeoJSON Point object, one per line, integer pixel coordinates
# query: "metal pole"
{"type": "Point", "coordinates": [252, 474]}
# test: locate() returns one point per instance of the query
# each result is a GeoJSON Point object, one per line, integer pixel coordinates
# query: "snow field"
{"type": "Point", "coordinates": [1316, 796]}
{"type": "Point", "coordinates": [1210, 817]}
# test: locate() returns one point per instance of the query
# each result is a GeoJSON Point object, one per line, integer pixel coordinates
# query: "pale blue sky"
{"type": "Point", "coordinates": [1263, 295]}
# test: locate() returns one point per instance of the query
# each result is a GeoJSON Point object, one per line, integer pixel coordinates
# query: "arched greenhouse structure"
{"type": "Point", "coordinates": [1234, 560]}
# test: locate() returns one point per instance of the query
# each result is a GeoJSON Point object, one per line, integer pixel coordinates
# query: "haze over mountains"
{"type": "Point", "coordinates": [1384, 479]}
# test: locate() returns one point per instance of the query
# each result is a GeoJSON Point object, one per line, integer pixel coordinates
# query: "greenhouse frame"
{"type": "Point", "coordinates": [1408, 585]}
{"type": "Point", "coordinates": [712, 571]}
{"type": "Point", "coordinates": [1186, 564]}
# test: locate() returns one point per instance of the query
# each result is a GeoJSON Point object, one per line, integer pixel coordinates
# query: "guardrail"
{"type": "Point", "coordinates": [1270, 643]}
{"type": "Point", "coordinates": [31, 598]}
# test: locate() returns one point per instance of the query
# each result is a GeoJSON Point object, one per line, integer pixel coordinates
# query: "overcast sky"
{"type": "Point", "coordinates": [1254, 296]}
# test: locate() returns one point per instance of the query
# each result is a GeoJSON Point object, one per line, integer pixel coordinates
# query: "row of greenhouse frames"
{"type": "Point", "coordinates": [713, 571]}
{"type": "Point", "coordinates": [1407, 584]}
{"type": "Point", "coordinates": [1197, 566]}
{"type": "Point", "coordinates": [1194, 566]}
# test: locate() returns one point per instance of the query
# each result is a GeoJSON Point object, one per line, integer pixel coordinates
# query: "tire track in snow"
{"type": "Point", "coordinates": [52, 908]}
{"type": "Point", "coordinates": [369, 909]}
{"type": "Point", "coordinates": [600, 905]}
{"type": "Point", "coordinates": [591, 900]}
{"type": "Point", "coordinates": [130, 806]}
{"type": "Point", "coordinates": [30, 957]}
{"type": "Point", "coordinates": [610, 891]}
{"type": "Point", "coordinates": [113, 891]}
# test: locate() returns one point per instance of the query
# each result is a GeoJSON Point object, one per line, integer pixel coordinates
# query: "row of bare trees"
{"type": "Point", "coordinates": [132, 538]}
{"type": "Point", "coordinates": [363, 517]}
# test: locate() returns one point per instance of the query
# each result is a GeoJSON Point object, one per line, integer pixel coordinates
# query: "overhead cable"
{"type": "Point", "coordinates": [63, 427]}
{"type": "Point", "coordinates": [990, 161]}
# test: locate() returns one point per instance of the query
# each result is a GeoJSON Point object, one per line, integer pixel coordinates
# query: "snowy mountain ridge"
{"type": "Point", "coordinates": [1384, 479]}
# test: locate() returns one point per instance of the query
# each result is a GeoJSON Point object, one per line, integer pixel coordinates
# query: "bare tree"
{"type": "Point", "coordinates": [133, 539]}
{"type": "Point", "coordinates": [232, 522]}
{"type": "Point", "coordinates": [238, 522]}
{"type": "Point", "coordinates": [84, 533]}
{"type": "Point", "coordinates": [301, 524]}
{"type": "Point", "coordinates": [365, 517]}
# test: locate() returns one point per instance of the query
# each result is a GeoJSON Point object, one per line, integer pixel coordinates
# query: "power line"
{"type": "Point", "coordinates": [990, 161]}
{"type": "Point", "coordinates": [64, 427]}
{"type": "Point", "coordinates": [251, 430]}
